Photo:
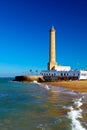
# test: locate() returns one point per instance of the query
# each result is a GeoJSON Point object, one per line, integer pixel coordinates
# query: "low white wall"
{"type": "Point", "coordinates": [83, 75]}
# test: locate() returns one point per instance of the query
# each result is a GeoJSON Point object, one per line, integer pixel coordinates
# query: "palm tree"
{"type": "Point", "coordinates": [36, 72]}
{"type": "Point", "coordinates": [30, 71]}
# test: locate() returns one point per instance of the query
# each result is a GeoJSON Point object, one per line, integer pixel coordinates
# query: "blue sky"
{"type": "Point", "coordinates": [24, 34]}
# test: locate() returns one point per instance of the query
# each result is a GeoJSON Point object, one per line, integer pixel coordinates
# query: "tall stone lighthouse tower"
{"type": "Point", "coordinates": [52, 51]}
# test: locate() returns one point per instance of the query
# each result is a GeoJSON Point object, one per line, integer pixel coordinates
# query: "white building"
{"type": "Point", "coordinates": [53, 75]}
{"type": "Point", "coordinates": [57, 72]}
{"type": "Point", "coordinates": [61, 68]}
{"type": "Point", "coordinates": [83, 75]}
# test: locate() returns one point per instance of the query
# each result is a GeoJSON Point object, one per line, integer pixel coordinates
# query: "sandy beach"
{"type": "Point", "coordinates": [79, 86]}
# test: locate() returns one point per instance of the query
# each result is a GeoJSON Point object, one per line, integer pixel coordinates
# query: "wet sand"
{"type": "Point", "coordinates": [79, 86]}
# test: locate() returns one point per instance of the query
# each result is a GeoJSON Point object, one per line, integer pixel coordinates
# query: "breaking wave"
{"type": "Point", "coordinates": [75, 114]}
{"type": "Point", "coordinates": [42, 85]}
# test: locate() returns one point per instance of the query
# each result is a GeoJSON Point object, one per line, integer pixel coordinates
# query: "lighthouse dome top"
{"type": "Point", "coordinates": [52, 28]}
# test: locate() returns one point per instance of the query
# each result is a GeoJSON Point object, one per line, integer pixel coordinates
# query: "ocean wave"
{"type": "Point", "coordinates": [42, 85]}
{"type": "Point", "coordinates": [75, 113]}
{"type": "Point", "coordinates": [44, 125]}
{"type": "Point", "coordinates": [78, 102]}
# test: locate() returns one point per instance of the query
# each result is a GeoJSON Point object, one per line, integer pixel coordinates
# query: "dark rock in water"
{"type": "Point", "coordinates": [20, 78]}
{"type": "Point", "coordinates": [29, 78]}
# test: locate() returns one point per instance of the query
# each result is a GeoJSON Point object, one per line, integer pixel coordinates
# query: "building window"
{"type": "Point", "coordinates": [61, 74]}
{"type": "Point", "coordinates": [83, 74]}
{"type": "Point", "coordinates": [73, 74]}
{"type": "Point", "coordinates": [54, 74]}
{"type": "Point", "coordinates": [64, 74]}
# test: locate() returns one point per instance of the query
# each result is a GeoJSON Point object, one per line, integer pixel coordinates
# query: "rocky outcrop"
{"type": "Point", "coordinates": [29, 78]}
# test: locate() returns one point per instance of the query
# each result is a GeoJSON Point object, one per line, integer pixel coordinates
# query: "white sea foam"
{"type": "Point", "coordinates": [36, 82]}
{"type": "Point", "coordinates": [76, 113]}
{"type": "Point", "coordinates": [70, 107]}
{"type": "Point", "coordinates": [78, 102]}
{"type": "Point", "coordinates": [42, 85]}
{"type": "Point", "coordinates": [47, 87]}
{"type": "Point", "coordinates": [40, 126]}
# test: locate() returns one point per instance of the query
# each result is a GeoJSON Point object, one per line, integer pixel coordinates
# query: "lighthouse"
{"type": "Point", "coordinates": [52, 50]}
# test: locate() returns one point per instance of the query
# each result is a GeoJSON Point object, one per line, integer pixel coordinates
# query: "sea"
{"type": "Point", "coordinates": [35, 106]}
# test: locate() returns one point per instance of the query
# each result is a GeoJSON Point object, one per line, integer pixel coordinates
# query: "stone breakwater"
{"type": "Point", "coordinates": [29, 78]}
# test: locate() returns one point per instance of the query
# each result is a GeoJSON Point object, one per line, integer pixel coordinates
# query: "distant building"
{"type": "Point", "coordinates": [61, 68]}
{"type": "Point", "coordinates": [52, 75]}
{"type": "Point", "coordinates": [57, 72]}
{"type": "Point", "coordinates": [82, 74]}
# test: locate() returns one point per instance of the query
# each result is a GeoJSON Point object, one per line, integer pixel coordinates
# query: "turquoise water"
{"type": "Point", "coordinates": [34, 106]}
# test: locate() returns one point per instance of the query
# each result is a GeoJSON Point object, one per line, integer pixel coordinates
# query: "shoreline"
{"type": "Point", "coordinates": [78, 86]}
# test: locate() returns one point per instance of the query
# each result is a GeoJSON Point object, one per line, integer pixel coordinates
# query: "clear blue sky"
{"type": "Point", "coordinates": [24, 34]}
